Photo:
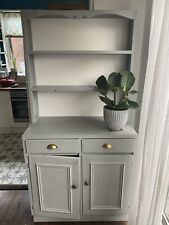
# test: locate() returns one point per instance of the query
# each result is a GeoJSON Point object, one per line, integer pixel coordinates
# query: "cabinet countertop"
{"type": "Point", "coordinates": [74, 127]}
{"type": "Point", "coordinates": [19, 87]}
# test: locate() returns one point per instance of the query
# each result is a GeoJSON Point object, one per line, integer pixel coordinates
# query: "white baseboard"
{"type": "Point", "coordinates": [17, 128]}
{"type": "Point", "coordinates": [5, 130]}
{"type": "Point", "coordinates": [21, 124]}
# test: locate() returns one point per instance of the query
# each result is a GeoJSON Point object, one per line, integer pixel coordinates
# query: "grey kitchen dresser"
{"type": "Point", "coordinates": [78, 170]}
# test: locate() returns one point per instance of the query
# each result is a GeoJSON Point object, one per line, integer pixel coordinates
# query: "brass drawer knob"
{"type": "Point", "coordinates": [107, 146]}
{"type": "Point", "coordinates": [52, 147]}
{"type": "Point", "coordinates": [86, 183]}
{"type": "Point", "coordinates": [74, 186]}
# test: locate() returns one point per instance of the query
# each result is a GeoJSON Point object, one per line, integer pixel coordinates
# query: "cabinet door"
{"type": "Point", "coordinates": [55, 186]}
{"type": "Point", "coordinates": [106, 184]}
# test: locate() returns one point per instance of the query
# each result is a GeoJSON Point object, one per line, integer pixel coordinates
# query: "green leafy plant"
{"type": "Point", "coordinates": [120, 84]}
{"type": "Point", "coordinates": [11, 60]}
{"type": "Point", "coordinates": [14, 63]}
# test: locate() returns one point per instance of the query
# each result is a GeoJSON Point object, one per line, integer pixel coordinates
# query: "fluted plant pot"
{"type": "Point", "coordinates": [115, 120]}
{"type": "Point", "coordinates": [13, 74]}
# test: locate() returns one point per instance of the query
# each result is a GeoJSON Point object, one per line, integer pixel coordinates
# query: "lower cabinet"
{"type": "Point", "coordinates": [70, 187]}
{"type": "Point", "coordinates": [55, 184]}
{"type": "Point", "coordinates": [106, 184]}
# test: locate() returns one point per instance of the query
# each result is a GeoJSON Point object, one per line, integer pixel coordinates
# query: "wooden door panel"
{"type": "Point", "coordinates": [52, 178]}
{"type": "Point", "coordinates": [108, 179]}
{"type": "Point", "coordinates": [51, 200]}
{"type": "Point", "coordinates": [106, 190]}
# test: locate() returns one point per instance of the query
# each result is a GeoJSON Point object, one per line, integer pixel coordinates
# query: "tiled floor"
{"type": "Point", "coordinates": [12, 166]}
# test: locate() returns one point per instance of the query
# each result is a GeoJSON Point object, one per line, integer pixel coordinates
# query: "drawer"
{"type": "Point", "coordinates": [57, 146]}
{"type": "Point", "coordinates": [108, 146]}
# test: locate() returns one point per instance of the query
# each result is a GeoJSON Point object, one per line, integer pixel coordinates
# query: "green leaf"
{"type": "Point", "coordinates": [114, 81]}
{"type": "Point", "coordinates": [107, 101]}
{"type": "Point", "coordinates": [102, 85]}
{"type": "Point", "coordinates": [133, 92]}
{"type": "Point", "coordinates": [132, 104]}
{"type": "Point", "coordinates": [127, 80]}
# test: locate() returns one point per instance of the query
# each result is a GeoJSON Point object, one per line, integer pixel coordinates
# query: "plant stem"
{"type": "Point", "coordinates": [122, 97]}
{"type": "Point", "coordinates": [115, 97]}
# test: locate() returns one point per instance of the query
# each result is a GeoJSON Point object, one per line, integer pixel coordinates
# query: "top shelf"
{"type": "Point", "coordinates": [83, 14]}
{"type": "Point", "coordinates": [76, 52]}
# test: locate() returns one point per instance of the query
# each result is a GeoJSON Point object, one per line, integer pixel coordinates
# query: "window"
{"type": "Point", "coordinates": [13, 38]}
{"type": "Point", "coordinates": [16, 51]}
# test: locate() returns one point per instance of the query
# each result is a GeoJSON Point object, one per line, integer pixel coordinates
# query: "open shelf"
{"type": "Point", "coordinates": [63, 88]}
{"type": "Point", "coordinates": [99, 52]}
{"type": "Point", "coordinates": [85, 14]}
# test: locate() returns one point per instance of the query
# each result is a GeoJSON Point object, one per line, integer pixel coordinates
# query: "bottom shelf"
{"type": "Point", "coordinates": [63, 88]}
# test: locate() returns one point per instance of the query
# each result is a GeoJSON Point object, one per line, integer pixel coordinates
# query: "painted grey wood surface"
{"type": "Point", "coordinates": [96, 171]}
{"type": "Point", "coordinates": [52, 180]}
{"type": "Point", "coordinates": [100, 146]}
{"type": "Point", "coordinates": [61, 88]}
{"type": "Point", "coordinates": [106, 184]}
{"type": "Point", "coordinates": [74, 127]}
{"type": "Point", "coordinates": [85, 218]}
{"type": "Point", "coordinates": [63, 146]}
{"type": "Point", "coordinates": [51, 176]}
{"type": "Point", "coordinates": [73, 52]}
{"type": "Point", "coordinates": [29, 14]}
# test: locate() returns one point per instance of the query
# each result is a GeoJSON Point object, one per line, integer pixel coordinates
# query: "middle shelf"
{"type": "Point", "coordinates": [63, 88]}
{"type": "Point", "coordinates": [81, 52]}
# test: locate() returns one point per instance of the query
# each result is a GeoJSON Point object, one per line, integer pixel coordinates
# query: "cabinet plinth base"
{"type": "Point", "coordinates": [123, 218]}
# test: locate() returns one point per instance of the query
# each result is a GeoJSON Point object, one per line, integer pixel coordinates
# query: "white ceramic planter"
{"type": "Point", "coordinates": [115, 119]}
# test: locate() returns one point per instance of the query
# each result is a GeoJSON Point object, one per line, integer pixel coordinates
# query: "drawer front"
{"type": "Point", "coordinates": [57, 146]}
{"type": "Point", "coordinates": [108, 146]}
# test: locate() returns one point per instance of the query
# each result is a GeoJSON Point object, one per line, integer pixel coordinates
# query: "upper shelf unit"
{"type": "Point", "coordinates": [66, 51]}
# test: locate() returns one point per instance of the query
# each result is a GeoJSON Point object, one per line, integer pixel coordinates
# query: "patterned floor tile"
{"type": "Point", "coordinates": [12, 166]}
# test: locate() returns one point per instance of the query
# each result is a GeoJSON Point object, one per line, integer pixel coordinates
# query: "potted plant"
{"type": "Point", "coordinates": [12, 64]}
{"type": "Point", "coordinates": [115, 92]}
{"type": "Point", "coordinates": [13, 72]}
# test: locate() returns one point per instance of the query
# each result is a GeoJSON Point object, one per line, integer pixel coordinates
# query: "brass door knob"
{"type": "Point", "coordinates": [74, 186]}
{"type": "Point", "coordinates": [107, 146]}
{"type": "Point", "coordinates": [52, 147]}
